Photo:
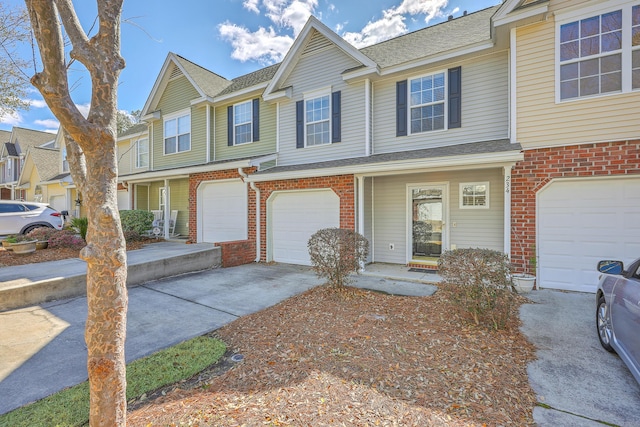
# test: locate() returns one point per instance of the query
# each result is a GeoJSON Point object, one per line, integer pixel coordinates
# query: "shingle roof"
{"type": "Point", "coordinates": [208, 81]}
{"type": "Point", "coordinates": [137, 128]}
{"type": "Point", "coordinates": [251, 79]}
{"type": "Point", "coordinates": [46, 161]}
{"type": "Point", "coordinates": [449, 35]}
{"type": "Point", "coordinates": [26, 138]}
{"type": "Point", "coordinates": [5, 136]}
{"type": "Point", "coordinates": [485, 147]}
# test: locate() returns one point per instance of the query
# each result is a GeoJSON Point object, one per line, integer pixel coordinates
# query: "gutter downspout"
{"type": "Point", "coordinates": [257, 191]}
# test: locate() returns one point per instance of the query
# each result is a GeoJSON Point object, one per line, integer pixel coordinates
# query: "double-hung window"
{"type": "Point", "coordinates": [427, 103]}
{"type": "Point", "coordinates": [599, 53]}
{"type": "Point", "coordinates": [242, 123]}
{"type": "Point", "coordinates": [142, 153]}
{"type": "Point", "coordinates": [317, 120]}
{"type": "Point", "coordinates": [474, 195]}
{"type": "Point", "coordinates": [177, 134]}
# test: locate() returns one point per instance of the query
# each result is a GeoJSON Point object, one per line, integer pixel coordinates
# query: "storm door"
{"type": "Point", "coordinates": [428, 206]}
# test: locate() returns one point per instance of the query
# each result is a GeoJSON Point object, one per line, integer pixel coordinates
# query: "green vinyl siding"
{"type": "Point", "coordinates": [142, 197]}
{"type": "Point", "coordinates": [176, 98]}
{"type": "Point", "coordinates": [266, 144]}
{"type": "Point", "coordinates": [179, 195]}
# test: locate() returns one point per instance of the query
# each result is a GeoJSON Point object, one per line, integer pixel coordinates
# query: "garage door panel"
{"type": "Point", "coordinates": [295, 216]}
{"type": "Point", "coordinates": [223, 211]}
{"type": "Point", "coordinates": [581, 222]}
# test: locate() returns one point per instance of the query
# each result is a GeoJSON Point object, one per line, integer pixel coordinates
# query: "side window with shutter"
{"type": "Point", "coordinates": [243, 122]}
{"type": "Point", "coordinates": [319, 120]}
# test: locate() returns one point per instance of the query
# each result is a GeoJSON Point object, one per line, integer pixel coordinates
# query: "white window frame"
{"type": "Point", "coordinates": [65, 162]}
{"type": "Point", "coordinates": [175, 116]}
{"type": "Point", "coordinates": [244, 123]}
{"type": "Point", "coordinates": [139, 153]}
{"type": "Point", "coordinates": [487, 195]}
{"type": "Point", "coordinates": [162, 198]}
{"type": "Point", "coordinates": [310, 97]}
{"type": "Point", "coordinates": [444, 102]}
{"type": "Point", "coordinates": [580, 13]}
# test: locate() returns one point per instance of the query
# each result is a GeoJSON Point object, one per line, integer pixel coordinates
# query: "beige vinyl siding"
{"type": "Point", "coordinates": [485, 107]}
{"type": "Point", "coordinates": [266, 144]}
{"type": "Point", "coordinates": [541, 122]}
{"type": "Point", "coordinates": [177, 97]}
{"type": "Point", "coordinates": [474, 227]}
{"type": "Point", "coordinates": [319, 70]}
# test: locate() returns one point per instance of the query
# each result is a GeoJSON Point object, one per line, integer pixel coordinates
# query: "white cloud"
{"type": "Point", "coordinates": [264, 45]}
{"type": "Point", "coordinates": [13, 119]}
{"type": "Point", "coordinates": [268, 45]}
{"type": "Point", "coordinates": [37, 103]}
{"type": "Point", "coordinates": [251, 5]}
{"type": "Point", "coordinates": [392, 23]}
{"type": "Point", "coordinates": [49, 124]}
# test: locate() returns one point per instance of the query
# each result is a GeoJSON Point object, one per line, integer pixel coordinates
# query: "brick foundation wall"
{"type": "Point", "coordinates": [541, 166]}
{"type": "Point", "coordinates": [238, 252]}
{"type": "Point", "coordinates": [342, 185]}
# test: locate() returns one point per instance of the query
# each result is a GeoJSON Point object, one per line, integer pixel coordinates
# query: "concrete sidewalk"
{"type": "Point", "coordinates": [580, 383]}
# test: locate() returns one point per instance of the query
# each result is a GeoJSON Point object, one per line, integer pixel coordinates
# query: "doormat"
{"type": "Point", "coordinates": [423, 270]}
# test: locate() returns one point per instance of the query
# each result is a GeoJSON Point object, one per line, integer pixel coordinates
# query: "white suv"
{"type": "Point", "coordinates": [21, 217]}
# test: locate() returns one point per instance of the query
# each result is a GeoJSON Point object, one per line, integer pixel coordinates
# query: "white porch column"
{"type": "Point", "coordinates": [360, 214]}
{"type": "Point", "coordinates": [167, 210]}
{"type": "Point", "coordinates": [507, 210]}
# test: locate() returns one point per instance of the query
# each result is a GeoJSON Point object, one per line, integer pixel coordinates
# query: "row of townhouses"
{"type": "Point", "coordinates": [514, 128]}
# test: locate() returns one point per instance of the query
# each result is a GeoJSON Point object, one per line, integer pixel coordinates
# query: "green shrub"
{"type": "Point", "coordinates": [80, 225]}
{"type": "Point", "coordinates": [136, 220]}
{"type": "Point", "coordinates": [479, 283]}
{"type": "Point", "coordinates": [335, 253]}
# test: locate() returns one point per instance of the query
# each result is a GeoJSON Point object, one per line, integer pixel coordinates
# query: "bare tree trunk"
{"type": "Point", "coordinates": [91, 151]}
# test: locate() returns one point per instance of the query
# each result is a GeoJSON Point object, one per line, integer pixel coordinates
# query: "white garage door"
{"type": "Point", "coordinates": [581, 222]}
{"type": "Point", "coordinates": [222, 215]}
{"type": "Point", "coordinates": [58, 203]}
{"type": "Point", "coordinates": [295, 216]}
{"type": "Point", "coordinates": [123, 200]}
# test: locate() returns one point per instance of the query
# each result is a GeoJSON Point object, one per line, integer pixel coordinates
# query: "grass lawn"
{"type": "Point", "coordinates": [70, 407]}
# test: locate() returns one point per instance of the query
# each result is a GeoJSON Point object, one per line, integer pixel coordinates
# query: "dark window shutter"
{"type": "Point", "coordinates": [256, 119]}
{"type": "Point", "coordinates": [401, 108]}
{"type": "Point", "coordinates": [230, 126]}
{"type": "Point", "coordinates": [300, 124]}
{"type": "Point", "coordinates": [336, 125]}
{"type": "Point", "coordinates": [455, 97]}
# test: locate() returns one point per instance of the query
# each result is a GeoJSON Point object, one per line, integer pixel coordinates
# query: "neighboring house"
{"type": "Point", "coordinates": [5, 137]}
{"type": "Point", "coordinates": [575, 74]}
{"type": "Point", "coordinates": [67, 195]}
{"type": "Point", "coordinates": [193, 166]}
{"type": "Point", "coordinates": [37, 178]}
{"type": "Point", "coordinates": [12, 157]}
{"type": "Point", "coordinates": [133, 156]}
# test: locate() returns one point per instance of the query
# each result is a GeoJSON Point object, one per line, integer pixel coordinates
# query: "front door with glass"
{"type": "Point", "coordinates": [427, 222]}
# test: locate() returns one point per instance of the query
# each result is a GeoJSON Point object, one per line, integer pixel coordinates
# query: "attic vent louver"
{"type": "Point", "coordinates": [176, 72]}
{"type": "Point", "coordinates": [317, 42]}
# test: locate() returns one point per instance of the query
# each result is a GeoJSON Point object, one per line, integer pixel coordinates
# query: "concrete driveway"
{"type": "Point", "coordinates": [580, 383]}
{"type": "Point", "coordinates": [42, 348]}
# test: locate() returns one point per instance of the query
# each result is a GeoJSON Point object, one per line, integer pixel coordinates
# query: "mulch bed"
{"type": "Point", "coordinates": [353, 359]}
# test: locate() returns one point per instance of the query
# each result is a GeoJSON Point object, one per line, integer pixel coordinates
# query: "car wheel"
{"type": "Point", "coordinates": [30, 229]}
{"type": "Point", "coordinates": [603, 322]}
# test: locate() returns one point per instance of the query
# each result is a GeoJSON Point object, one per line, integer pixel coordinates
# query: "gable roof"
{"type": "Point", "coordinates": [5, 136]}
{"type": "Point", "coordinates": [44, 160]}
{"type": "Point", "coordinates": [205, 82]}
{"type": "Point", "coordinates": [451, 35]}
{"type": "Point", "coordinates": [137, 128]}
{"type": "Point", "coordinates": [514, 10]}
{"type": "Point", "coordinates": [310, 29]}
{"type": "Point", "coordinates": [26, 138]}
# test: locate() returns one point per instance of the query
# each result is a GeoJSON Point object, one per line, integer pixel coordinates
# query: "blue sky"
{"type": "Point", "coordinates": [231, 38]}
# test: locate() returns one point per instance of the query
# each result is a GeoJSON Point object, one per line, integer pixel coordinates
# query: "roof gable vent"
{"type": "Point", "coordinates": [316, 42]}
{"type": "Point", "coordinates": [176, 72]}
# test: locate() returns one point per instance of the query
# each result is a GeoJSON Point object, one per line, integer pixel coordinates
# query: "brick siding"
{"type": "Point", "coordinates": [541, 166]}
{"type": "Point", "coordinates": [238, 252]}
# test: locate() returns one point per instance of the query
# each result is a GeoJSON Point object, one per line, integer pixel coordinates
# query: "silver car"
{"type": "Point", "coordinates": [618, 311]}
{"type": "Point", "coordinates": [21, 217]}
